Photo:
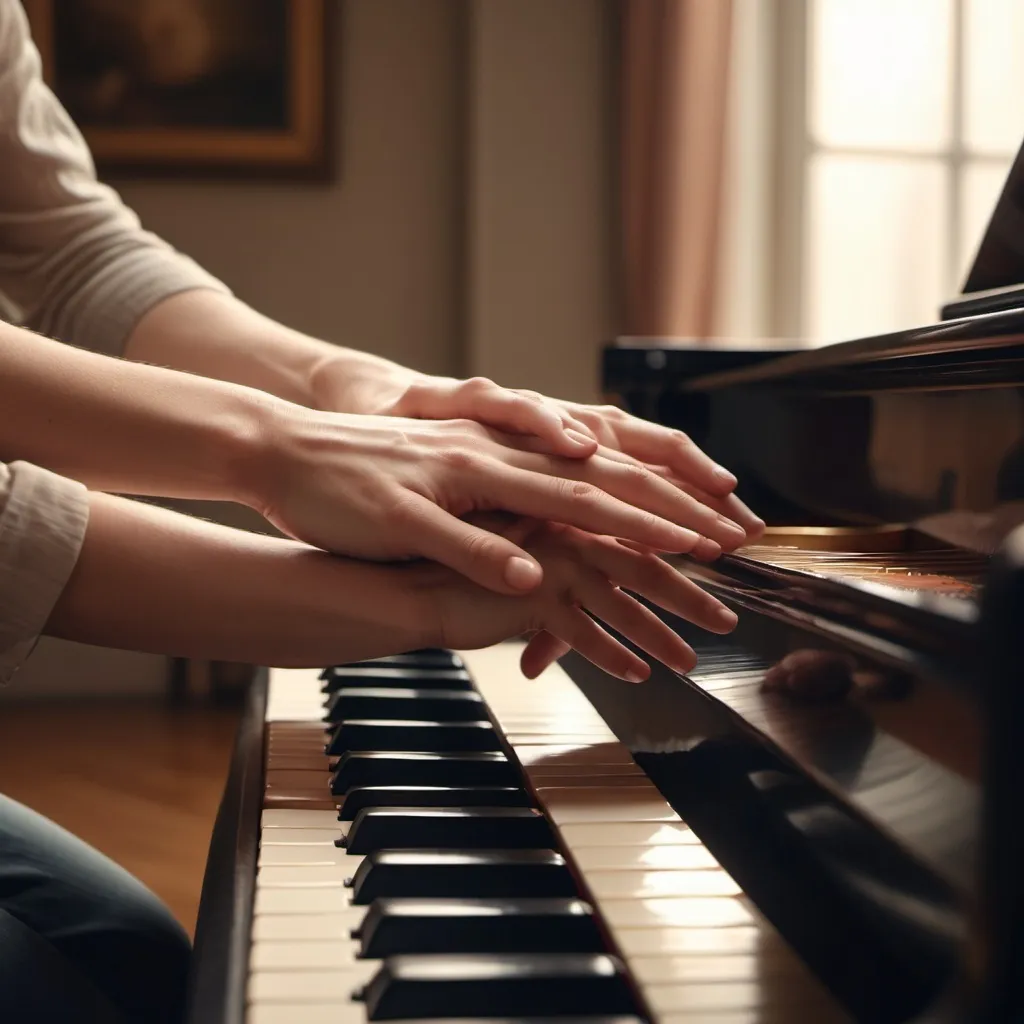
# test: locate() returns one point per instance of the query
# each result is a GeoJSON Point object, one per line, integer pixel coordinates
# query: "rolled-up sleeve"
{"type": "Point", "coordinates": [75, 262]}
{"type": "Point", "coordinates": [42, 525]}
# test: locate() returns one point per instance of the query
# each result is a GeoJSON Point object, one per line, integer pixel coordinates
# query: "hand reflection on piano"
{"type": "Point", "coordinates": [818, 676]}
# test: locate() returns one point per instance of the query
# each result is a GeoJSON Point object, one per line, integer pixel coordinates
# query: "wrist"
{"type": "Point", "coordinates": [353, 382]}
{"type": "Point", "coordinates": [251, 443]}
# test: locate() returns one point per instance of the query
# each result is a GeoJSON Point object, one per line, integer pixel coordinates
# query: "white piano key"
{"type": "Point", "coordinates": [275, 817]}
{"type": "Point", "coordinates": [630, 859]}
{"type": "Point", "coordinates": [306, 927]}
{"type": "Point", "coordinates": [324, 836]}
{"type": "Point", "coordinates": [639, 834]}
{"type": "Point", "coordinates": [572, 807]}
{"type": "Point", "coordinates": [677, 912]}
{"type": "Point", "coordinates": [651, 884]}
{"type": "Point", "coordinates": [276, 876]}
{"type": "Point", "coordinates": [694, 969]}
{"type": "Point", "coordinates": [712, 998]}
{"type": "Point", "coordinates": [312, 986]}
{"type": "Point", "coordinates": [341, 1012]}
{"type": "Point", "coordinates": [696, 941]}
{"type": "Point", "coordinates": [307, 854]}
{"type": "Point", "coordinates": [312, 900]}
{"type": "Point", "coordinates": [592, 780]}
{"type": "Point", "coordinates": [325, 955]}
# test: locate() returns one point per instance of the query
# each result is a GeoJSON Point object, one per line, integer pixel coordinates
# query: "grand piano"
{"type": "Point", "coordinates": [822, 822]}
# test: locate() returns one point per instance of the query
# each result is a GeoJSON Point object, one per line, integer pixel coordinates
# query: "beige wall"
{"type": "Point", "coordinates": [370, 259]}
{"type": "Point", "coordinates": [467, 230]}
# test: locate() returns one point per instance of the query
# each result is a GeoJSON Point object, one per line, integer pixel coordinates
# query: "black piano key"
{"type": "Point", "coordinates": [406, 678]}
{"type": "Point", "coordinates": [405, 702]}
{"type": "Point", "coordinates": [390, 768]}
{"type": "Point", "coordinates": [515, 985]}
{"type": "Point", "coordinates": [447, 828]}
{"type": "Point", "coordinates": [393, 927]}
{"type": "Point", "coordinates": [431, 796]}
{"type": "Point", "coordinates": [386, 734]}
{"type": "Point", "coordinates": [428, 657]}
{"type": "Point", "coordinates": [443, 874]}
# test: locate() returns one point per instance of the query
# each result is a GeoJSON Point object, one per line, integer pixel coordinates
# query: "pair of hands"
{"type": "Point", "coordinates": [592, 491]}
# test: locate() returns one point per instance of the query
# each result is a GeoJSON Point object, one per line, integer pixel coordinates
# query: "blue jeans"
{"type": "Point", "coordinates": [80, 938]}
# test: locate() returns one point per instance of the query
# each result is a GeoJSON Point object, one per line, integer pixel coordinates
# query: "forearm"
{"type": "Point", "coordinates": [215, 335]}
{"type": "Point", "coordinates": [119, 426]}
{"type": "Point", "coordinates": [152, 580]}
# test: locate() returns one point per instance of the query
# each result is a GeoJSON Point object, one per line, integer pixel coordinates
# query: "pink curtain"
{"type": "Point", "coordinates": [675, 66]}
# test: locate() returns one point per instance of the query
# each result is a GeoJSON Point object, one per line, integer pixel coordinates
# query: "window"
{"type": "Point", "coordinates": [900, 119]}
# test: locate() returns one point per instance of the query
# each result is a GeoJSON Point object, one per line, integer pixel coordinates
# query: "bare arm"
{"type": "Point", "coordinates": [120, 426]}
{"type": "Point", "coordinates": [152, 580]}
{"type": "Point", "coordinates": [216, 335]}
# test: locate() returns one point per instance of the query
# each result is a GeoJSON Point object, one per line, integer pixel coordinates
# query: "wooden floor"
{"type": "Point", "coordinates": [138, 781]}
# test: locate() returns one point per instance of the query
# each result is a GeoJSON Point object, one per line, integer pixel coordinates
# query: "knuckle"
{"type": "Point", "coordinates": [637, 475]}
{"type": "Point", "coordinates": [683, 440]}
{"type": "Point", "coordinates": [480, 546]}
{"type": "Point", "coordinates": [403, 511]}
{"type": "Point", "coordinates": [479, 384]}
{"type": "Point", "coordinates": [457, 459]}
{"type": "Point", "coordinates": [579, 491]}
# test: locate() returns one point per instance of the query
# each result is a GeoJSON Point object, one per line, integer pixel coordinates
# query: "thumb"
{"type": "Point", "coordinates": [485, 558]}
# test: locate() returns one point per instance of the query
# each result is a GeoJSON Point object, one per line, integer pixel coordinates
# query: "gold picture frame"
{"type": "Point", "coordinates": [203, 104]}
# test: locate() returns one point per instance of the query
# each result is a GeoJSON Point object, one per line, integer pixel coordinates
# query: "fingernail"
{"type": "Point", "coordinates": [706, 550]}
{"type": "Point", "coordinates": [522, 574]}
{"type": "Point", "coordinates": [636, 677]}
{"type": "Point", "coordinates": [683, 667]}
{"type": "Point", "coordinates": [726, 617]}
{"type": "Point", "coordinates": [723, 476]}
{"type": "Point", "coordinates": [731, 525]}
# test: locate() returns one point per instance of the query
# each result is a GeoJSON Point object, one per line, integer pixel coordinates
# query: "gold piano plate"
{"type": "Point", "coordinates": [865, 539]}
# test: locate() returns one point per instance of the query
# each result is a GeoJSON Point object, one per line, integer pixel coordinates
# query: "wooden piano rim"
{"type": "Point", "coordinates": [220, 959]}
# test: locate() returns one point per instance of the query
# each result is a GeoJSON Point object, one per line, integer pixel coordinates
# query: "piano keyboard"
{"type": "Point", "coordinates": [529, 870]}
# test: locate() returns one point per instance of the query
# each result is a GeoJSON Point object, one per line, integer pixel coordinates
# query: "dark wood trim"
{"type": "Point", "coordinates": [221, 957]}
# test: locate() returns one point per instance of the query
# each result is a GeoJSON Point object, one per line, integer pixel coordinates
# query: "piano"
{"type": "Point", "coordinates": [823, 822]}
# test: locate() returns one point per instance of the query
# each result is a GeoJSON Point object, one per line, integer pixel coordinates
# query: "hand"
{"type": "Point", "coordinates": [390, 489]}
{"type": "Point", "coordinates": [567, 429]}
{"type": "Point", "coordinates": [582, 574]}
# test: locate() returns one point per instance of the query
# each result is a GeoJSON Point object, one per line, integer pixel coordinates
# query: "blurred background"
{"type": "Point", "coordinates": [510, 185]}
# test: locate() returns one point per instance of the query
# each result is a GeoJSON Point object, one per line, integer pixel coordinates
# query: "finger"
{"type": "Point", "coordinates": [642, 627]}
{"type": "Point", "coordinates": [652, 443]}
{"type": "Point", "coordinates": [486, 558]}
{"type": "Point", "coordinates": [729, 506]}
{"type": "Point", "coordinates": [634, 483]}
{"type": "Point", "coordinates": [583, 634]}
{"type": "Point", "coordinates": [520, 413]}
{"type": "Point", "coordinates": [570, 421]}
{"type": "Point", "coordinates": [581, 504]}
{"type": "Point", "coordinates": [657, 581]}
{"type": "Point", "coordinates": [542, 651]}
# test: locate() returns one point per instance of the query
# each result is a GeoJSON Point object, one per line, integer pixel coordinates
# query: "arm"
{"type": "Point", "coordinates": [364, 486]}
{"type": "Point", "coordinates": [153, 580]}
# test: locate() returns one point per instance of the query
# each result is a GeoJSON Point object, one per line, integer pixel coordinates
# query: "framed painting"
{"type": "Point", "coordinates": [210, 86]}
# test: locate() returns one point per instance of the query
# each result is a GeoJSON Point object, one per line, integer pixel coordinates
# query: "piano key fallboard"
{"type": "Point", "coordinates": [442, 838]}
